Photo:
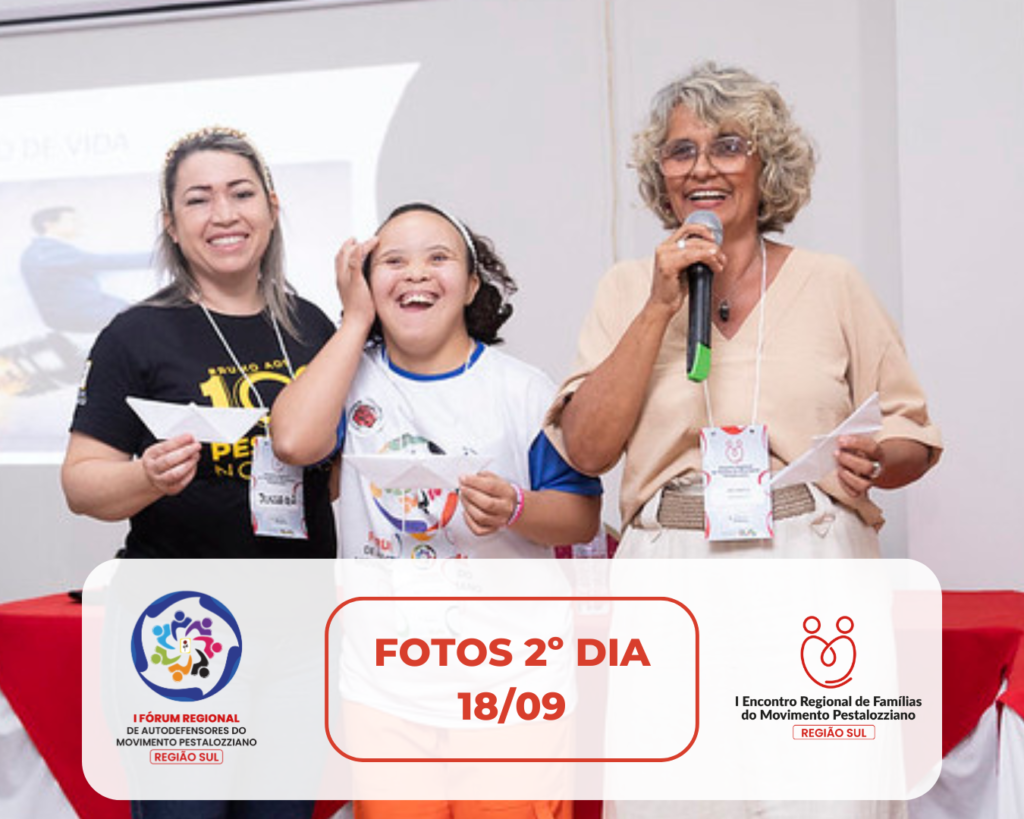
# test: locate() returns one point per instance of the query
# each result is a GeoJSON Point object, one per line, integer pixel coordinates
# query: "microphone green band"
{"type": "Point", "coordinates": [701, 363]}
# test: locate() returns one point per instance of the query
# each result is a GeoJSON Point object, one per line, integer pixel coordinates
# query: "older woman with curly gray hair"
{"type": "Point", "coordinates": [799, 343]}
{"type": "Point", "coordinates": [799, 339]}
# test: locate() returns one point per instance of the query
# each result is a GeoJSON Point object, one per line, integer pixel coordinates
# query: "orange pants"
{"type": "Point", "coordinates": [488, 809]}
{"type": "Point", "coordinates": [373, 734]}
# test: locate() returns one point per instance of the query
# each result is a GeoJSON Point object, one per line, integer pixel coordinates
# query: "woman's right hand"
{"type": "Point", "coordinates": [171, 465]}
{"type": "Point", "coordinates": [353, 289]}
{"type": "Point", "coordinates": [597, 422]}
{"type": "Point", "coordinates": [671, 261]}
{"type": "Point", "coordinates": [107, 483]}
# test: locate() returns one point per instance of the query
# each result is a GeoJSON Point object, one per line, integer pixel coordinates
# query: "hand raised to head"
{"type": "Point", "coordinates": [353, 288]}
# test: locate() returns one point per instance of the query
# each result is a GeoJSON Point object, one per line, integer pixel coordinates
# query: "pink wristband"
{"type": "Point", "coordinates": [518, 510]}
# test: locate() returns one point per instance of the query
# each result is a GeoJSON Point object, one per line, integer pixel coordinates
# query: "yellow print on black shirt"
{"type": "Point", "coordinates": [226, 387]}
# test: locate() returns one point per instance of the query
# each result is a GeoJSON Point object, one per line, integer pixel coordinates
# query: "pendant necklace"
{"type": "Point", "coordinates": [725, 303]}
{"type": "Point", "coordinates": [723, 309]}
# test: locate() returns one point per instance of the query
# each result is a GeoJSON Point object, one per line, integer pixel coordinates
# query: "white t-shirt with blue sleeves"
{"type": "Point", "coordinates": [493, 406]}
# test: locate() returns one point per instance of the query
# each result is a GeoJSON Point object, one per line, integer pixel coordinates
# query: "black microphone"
{"type": "Point", "coordinates": [698, 278]}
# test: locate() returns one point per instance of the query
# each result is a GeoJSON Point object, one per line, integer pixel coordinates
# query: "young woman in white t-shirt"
{"type": "Point", "coordinates": [411, 371]}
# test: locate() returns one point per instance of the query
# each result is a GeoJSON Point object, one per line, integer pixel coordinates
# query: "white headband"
{"type": "Point", "coordinates": [461, 228]}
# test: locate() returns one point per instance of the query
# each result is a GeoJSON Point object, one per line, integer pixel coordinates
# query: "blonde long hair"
{"type": "Point", "coordinates": [183, 288]}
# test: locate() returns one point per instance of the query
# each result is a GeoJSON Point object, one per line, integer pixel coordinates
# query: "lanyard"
{"type": "Point", "coordinates": [760, 344]}
{"type": "Point", "coordinates": [234, 358]}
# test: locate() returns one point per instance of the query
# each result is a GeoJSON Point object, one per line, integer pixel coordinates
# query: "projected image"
{"type": "Point", "coordinates": [65, 279]}
{"type": "Point", "coordinates": [74, 266]}
{"type": "Point", "coordinates": [66, 268]}
{"type": "Point", "coordinates": [79, 213]}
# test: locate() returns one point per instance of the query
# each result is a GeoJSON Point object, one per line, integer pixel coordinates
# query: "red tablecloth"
{"type": "Point", "coordinates": [982, 644]}
{"type": "Point", "coordinates": [40, 675]}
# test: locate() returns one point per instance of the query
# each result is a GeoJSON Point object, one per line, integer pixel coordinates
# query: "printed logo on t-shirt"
{"type": "Point", "coordinates": [227, 387]}
{"type": "Point", "coordinates": [423, 551]}
{"type": "Point", "coordinates": [419, 513]}
{"type": "Point", "coordinates": [383, 547]}
{"type": "Point", "coordinates": [365, 417]}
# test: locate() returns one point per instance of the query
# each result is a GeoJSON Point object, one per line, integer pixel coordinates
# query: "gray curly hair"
{"type": "Point", "coordinates": [733, 97]}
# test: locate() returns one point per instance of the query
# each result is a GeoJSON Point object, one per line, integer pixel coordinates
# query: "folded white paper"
{"type": "Point", "coordinates": [416, 471]}
{"type": "Point", "coordinates": [212, 425]}
{"type": "Point", "coordinates": [819, 460]}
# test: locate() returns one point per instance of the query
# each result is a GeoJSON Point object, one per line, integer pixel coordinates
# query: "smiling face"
{"type": "Point", "coordinates": [420, 283]}
{"type": "Point", "coordinates": [734, 197]}
{"type": "Point", "coordinates": [221, 219]}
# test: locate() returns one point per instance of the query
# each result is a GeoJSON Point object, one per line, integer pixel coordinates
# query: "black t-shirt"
{"type": "Point", "coordinates": [173, 354]}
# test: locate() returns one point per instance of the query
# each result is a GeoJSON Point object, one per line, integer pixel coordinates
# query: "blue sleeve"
{"type": "Point", "coordinates": [340, 434]}
{"type": "Point", "coordinates": [548, 470]}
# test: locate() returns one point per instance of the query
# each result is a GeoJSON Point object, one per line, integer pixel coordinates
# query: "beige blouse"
{"type": "Point", "coordinates": [828, 344]}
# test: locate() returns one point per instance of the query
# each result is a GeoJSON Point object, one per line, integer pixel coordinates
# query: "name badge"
{"type": "Point", "coordinates": [737, 478]}
{"type": "Point", "coordinates": [275, 495]}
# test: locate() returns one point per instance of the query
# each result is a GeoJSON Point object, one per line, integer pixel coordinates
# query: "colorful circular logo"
{"type": "Point", "coordinates": [186, 646]}
{"type": "Point", "coordinates": [419, 513]}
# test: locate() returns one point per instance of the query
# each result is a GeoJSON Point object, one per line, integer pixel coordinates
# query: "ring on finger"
{"type": "Point", "coordinates": [876, 470]}
{"type": "Point", "coordinates": [681, 243]}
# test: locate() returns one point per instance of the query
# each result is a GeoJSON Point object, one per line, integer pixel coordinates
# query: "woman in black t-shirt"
{"type": "Point", "coordinates": [226, 332]}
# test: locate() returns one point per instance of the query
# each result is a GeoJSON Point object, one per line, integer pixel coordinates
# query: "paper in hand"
{"type": "Point", "coordinates": [416, 471]}
{"type": "Point", "coordinates": [211, 425]}
{"type": "Point", "coordinates": [819, 460]}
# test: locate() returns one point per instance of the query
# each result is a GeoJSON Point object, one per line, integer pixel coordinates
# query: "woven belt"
{"type": "Point", "coordinates": [680, 509]}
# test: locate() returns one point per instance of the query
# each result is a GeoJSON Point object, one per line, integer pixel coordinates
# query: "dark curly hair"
{"type": "Point", "coordinates": [489, 309]}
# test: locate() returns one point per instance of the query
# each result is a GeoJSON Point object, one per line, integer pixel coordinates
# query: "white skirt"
{"type": "Point", "coordinates": [830, 531]}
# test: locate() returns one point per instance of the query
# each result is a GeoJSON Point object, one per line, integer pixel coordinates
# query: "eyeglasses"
{"type": "Point", "coordinates": [726, 154]}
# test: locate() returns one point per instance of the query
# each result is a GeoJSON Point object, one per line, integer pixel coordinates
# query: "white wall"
{"type": "Point", "coordinates": [961, 103]}
{"type": "Point", "coordinates": [520, 121]}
